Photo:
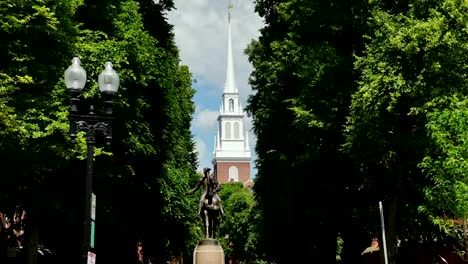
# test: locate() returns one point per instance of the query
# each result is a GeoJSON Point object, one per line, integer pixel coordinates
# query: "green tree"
{"type": "Point", "coordinates": [416, 55]}
{"type": "Point", "coordinates": [239, 230]}
{"type": "Point", "coordinates": [33, 121]}
{"type": "Point", "coordinates": [33, 147]}
{"type": "Point", "coordinates": [153, 155]}
{"type": "Point", "coordinates": [445, 165]}
{"type": "Point", "coordinates": [233, 233]}
{"type": "Point", "coordinates": [379, 79]}
{"type": "Point", "coordinates": [303, 78]}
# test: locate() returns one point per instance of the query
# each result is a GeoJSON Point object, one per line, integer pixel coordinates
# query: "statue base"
{"type": "Point", "coordinates": [208, 251]}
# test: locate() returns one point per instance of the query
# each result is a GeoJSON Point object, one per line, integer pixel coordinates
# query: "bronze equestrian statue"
{"type": "Point", "coordinates": [210, 206]}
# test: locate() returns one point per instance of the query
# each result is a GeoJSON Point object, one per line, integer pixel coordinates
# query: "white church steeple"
{"type": "Point", "coordinates": [230, 85]}
{"type": "Point", "coordinates": [231, 156]}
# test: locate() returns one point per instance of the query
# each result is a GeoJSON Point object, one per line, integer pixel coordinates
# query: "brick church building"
{"type": "Point", "coordinates": [231, 156]}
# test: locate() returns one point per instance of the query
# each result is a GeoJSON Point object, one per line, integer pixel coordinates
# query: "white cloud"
{"type": "Point", "coordinates": [200, 28]}
{"type": "Point", "coordinates": [203, 153]}
{"type": "Point", "coordinates": [205, 120]}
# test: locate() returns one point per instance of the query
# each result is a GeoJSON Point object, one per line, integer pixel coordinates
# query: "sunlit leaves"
{"type": "Point", "coordinates": [404, 114]}
{"type": "Point", "coordinates": [239, 229]}
{"type": "Point", "coordinates": [152, 146]}
{"type": "Point", "coordinates": [446, 166]}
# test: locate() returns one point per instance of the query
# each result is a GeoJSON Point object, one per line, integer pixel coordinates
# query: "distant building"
{"type": "Point", "coordinates": [231, 156]}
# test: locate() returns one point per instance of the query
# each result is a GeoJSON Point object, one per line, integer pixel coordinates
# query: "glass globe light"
{"type": "Point", "coordinates": [108, 80]}
{"type": "Point", "coordinates": [75, 76]}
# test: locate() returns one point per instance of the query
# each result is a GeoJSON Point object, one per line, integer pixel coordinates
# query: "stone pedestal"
{"type": "Point", "coordinates": [208, 251]}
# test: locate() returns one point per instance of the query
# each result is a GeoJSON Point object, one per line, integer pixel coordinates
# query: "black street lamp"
{"type": "Point", "coordinates": [94, 126]}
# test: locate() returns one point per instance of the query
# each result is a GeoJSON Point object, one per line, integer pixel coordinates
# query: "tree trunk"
{"type": "Point", "coordinates": [392, 213]}
{"type": "Point", "coordinates": [465, 233]}
{"type": "Point", "coordinates": [391, 229]}
{"type": "Point", "coordinates": [31, 257]}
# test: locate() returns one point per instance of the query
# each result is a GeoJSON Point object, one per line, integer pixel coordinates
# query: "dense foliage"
{"type": "Point", "coordinates": [239, 229]}
{"type": "Point", "coordinates": [303, 80]}
{"type": "Point", "coordinates": [139, 181]}
{"type": "Point", "coordinates": [366, 99]}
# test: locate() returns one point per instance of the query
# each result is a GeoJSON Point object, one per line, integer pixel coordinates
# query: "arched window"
{"type": "Point", "coordinates": [227, 129]}
{"type": "Point", "coordinates": [233, 173]}
{"type": "Point", "coordinates": [231, 105]}
{"type": "Point", "coordinates": [236, 130]}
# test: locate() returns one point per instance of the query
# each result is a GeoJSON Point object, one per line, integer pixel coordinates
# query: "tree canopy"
{"type": "Point", "coordinates": [239, 229]}
{"type": "Point", "coordinates": [139, 182]}
{"type": "Point", "coordinates": [366, 99]}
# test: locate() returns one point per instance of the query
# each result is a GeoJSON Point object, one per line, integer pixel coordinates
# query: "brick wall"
{"type": "Point", "coordinates": [222, 171]}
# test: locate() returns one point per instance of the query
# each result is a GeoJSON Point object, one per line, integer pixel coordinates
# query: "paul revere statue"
{"type": "Point", "coordinates": [210, 207]}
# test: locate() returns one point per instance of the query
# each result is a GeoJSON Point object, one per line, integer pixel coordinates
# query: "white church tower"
{"type": "Point", "coordinates": [231, 157]}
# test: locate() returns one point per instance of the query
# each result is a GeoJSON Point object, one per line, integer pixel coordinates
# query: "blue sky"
{"type": "Point", "coordinates": [200, 28]}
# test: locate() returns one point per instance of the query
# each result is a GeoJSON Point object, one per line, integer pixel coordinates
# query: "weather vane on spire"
{"type": "Point", "coordinates": [230, 6]}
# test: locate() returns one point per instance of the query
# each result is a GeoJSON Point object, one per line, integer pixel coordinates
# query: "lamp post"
{"type": "Point", "coordinates": [94, 126]}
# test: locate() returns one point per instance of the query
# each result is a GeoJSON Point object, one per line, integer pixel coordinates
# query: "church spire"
{"type": "Point", "coordinates": [230, 6]}
{"type": "Point", "coordinates": [230, 85]}
{"type": "Point", "coordinates": [231, 157]}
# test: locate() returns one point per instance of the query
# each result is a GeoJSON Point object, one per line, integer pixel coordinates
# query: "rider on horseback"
{"type": "Point", "coordinates": [209, 199]}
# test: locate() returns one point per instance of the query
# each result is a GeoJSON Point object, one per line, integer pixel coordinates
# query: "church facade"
{"type": "Point", "coordinates": [231, 155]}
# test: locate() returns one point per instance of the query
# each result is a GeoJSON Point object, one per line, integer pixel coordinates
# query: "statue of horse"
{"type": "Point", "coordinates": [210, 207]}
